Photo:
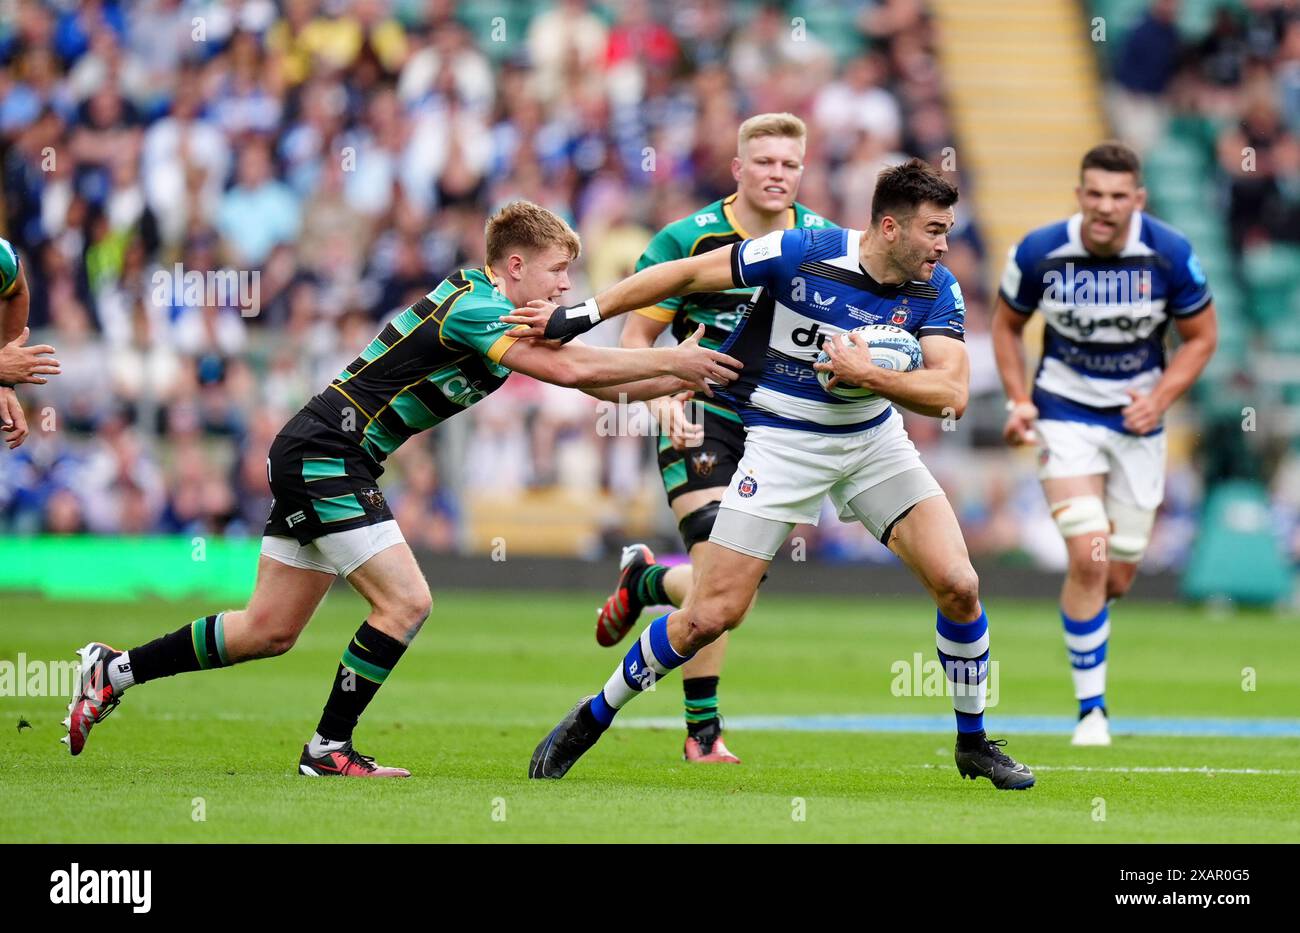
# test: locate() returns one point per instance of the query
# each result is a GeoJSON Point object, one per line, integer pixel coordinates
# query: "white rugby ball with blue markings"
{"type": "Point", "coordinates": [891, 348]}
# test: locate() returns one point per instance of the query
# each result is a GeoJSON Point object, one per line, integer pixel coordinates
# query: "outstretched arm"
{"type": "Point", "coordinates": [708, 272]}
{"type": "Point", "coordinates": [654, 370]}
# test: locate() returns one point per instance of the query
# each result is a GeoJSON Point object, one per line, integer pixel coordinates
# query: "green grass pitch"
{"type": "Point", "coordinates": [490, 674]}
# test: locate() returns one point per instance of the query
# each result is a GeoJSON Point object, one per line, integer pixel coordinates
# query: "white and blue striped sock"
{"type": "Point", "coordinates": [1086, 639]}
{"type": "Point", "coordinates": [650, 657]}
{"type": "Point", "coordinates": [964, 653]}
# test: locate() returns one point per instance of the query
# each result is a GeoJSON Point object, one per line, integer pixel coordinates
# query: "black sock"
{"type": "Point", "coordinates": [198, 646]}
{"type": "Point", "coordinates": [701, 703]}
{"type": "Point", "coordinates": [367, 662]}
{"type": "Point", "coordinates": [970, 740]}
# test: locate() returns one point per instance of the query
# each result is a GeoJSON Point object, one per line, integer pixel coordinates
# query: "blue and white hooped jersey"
{"type": "Point", "coordinates": [1105, 316]}
{"type": "Point", "coordinates": [810, 287]}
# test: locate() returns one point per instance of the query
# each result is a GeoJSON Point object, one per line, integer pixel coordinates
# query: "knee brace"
{"type": "Point", "coordinates": [698, 525]}
{"type": "Point", "coordinates": [1130, 530]}
{"type": "Point", "coordinates": [1080, 515]}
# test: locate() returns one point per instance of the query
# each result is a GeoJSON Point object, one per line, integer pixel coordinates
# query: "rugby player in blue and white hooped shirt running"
{"type": "Point", "coordinates": [1109, 281]}
{"type": "Point", "coordinates": [802, 443]}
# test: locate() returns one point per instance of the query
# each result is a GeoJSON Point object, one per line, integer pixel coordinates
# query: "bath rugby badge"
{"type": "Point", "coordinates": [748, 486]}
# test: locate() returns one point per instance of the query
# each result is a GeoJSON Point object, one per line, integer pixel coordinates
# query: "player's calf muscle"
{"type": "Point", "coordinates": [1119, 579]}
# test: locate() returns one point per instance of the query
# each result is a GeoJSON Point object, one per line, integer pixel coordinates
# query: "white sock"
{"type": "Point", "coordinates": [120, 674]}
{"type": "Point", "coordinates": [319, 746]}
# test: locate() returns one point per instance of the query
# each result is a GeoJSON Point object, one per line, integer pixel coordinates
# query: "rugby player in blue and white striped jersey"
{"type": "Point", "coordinates": [1109, 281]}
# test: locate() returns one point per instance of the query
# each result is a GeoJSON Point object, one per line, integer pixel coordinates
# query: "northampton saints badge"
{"type": "Point", "coordinates": [704, 462]}
{"type": "Point", "coordinates": [373, 498]}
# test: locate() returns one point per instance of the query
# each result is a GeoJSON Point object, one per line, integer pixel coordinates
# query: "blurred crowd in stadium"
{"type": "Point", "coordinates": [341, 158]}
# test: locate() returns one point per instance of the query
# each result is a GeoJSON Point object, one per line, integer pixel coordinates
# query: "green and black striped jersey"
{"type": "Point", "coordinates": [432, 361]}
{"type": "Point", "coordinates": [708, 229]}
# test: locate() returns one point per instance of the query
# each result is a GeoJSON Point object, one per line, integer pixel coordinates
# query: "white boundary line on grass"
{"type": "Point", "coordinates": [1140, 769]}
{"type": "Point", "coordinates": [1204, 769]}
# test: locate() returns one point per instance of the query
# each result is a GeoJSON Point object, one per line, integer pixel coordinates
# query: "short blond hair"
{"type": "Point", "coordinates": [771, 124]}
{"type": "Point", "coordinates": [525, 225]}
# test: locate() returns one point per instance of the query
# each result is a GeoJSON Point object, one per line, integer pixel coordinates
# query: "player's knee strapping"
{"type": "Point", "coordinates": [650, 657]}
{"type": "Point", "coordinates": [1080, 515]}
{"type": "Point", "coordinates": [1130, 530]}
{"type": "Point", "coordinates": [698, 525]}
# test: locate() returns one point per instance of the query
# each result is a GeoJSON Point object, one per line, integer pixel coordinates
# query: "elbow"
{"type": "Point", "coordinates": [957, 406]}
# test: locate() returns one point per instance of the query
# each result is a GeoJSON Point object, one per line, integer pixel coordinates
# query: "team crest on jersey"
{"type": "Point", "coordinates": [373, 498]}
{"type": "Point", "coordinates": [704, 462]}
{"type": "Point", "coordinates": [748, 486]}
{"type": "Point", "coordinates": [899, 317]}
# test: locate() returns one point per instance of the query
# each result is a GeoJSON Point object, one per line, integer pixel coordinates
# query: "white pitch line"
{"type": "Point", "coordinates": [1204, 769]}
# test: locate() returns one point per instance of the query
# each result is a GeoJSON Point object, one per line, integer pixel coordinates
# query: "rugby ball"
{"type": "Point", "coordinates": [891, 348]}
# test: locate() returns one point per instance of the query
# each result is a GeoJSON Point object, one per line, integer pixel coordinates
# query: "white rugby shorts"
{"type": "Point", "coordinates": [1134, 466]}
{"type": "Point", "coordinates": [785, 474]}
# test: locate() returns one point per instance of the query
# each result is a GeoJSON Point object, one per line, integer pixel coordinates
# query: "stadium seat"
{"type": "Point", "coordinates": [1272, 282]}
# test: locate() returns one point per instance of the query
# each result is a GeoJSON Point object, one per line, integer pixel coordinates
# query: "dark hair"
{"type": "Point", "coordinates": [1112, 157]}
{"type": "Point", "coordinates": [901, 189]}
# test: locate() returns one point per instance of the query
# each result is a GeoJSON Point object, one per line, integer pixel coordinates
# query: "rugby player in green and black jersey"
{"type": "Point", "coordinates": [329, 518]}
{"type": "Point", "coordinates": [699, 451]}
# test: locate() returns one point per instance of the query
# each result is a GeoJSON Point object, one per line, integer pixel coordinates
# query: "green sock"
{"type": "Point", "coordinates": [650, 588]}
{"type": "Point", "coordinates": [701, 702]}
